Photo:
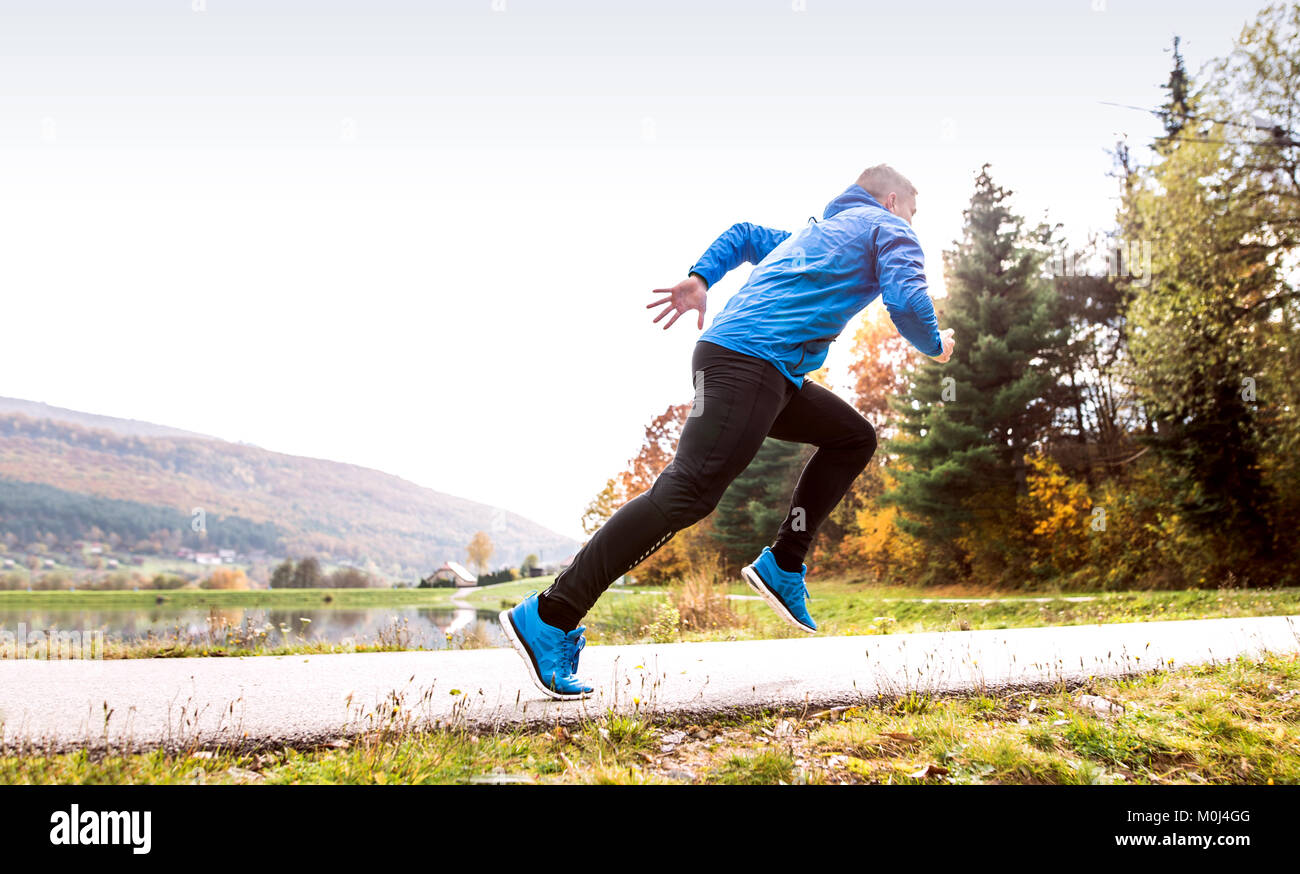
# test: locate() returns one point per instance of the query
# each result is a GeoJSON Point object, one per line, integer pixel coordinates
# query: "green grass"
{"type": "Point", "coordinates": [763, 767]}
{"type": "Point", "coordinates": [191, 598]}
{"type": "Point", "coordinates": [842, 606]}
{"type": "Point", "coordinates": [1233, 723]}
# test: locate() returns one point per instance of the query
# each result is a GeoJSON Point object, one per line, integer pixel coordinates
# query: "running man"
{"type": "Point", "coordinates": [749, 373]}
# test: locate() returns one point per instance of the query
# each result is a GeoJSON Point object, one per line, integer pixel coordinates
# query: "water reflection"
{"type": "Point", "coordinates": [407, 627]}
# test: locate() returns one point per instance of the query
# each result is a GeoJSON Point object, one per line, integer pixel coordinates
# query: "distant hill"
{"type": "Point", "coordinates": [66, 473]}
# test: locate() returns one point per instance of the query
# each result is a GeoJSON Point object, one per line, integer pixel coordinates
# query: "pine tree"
{"type": "Point", "coordinates": [967, 424]}
{"type": "Point", "coordinates": [1177, 110]}
{"type": "Point", "coordinates": [752, 509]}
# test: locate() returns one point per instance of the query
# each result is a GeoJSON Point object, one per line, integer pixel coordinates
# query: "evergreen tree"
{"type": "Point", "coordinates": [1177, 110]}
{"type": "Point", "coordinates": [967, 423]}
{"type": "Point", "coordinates": [752, 509]}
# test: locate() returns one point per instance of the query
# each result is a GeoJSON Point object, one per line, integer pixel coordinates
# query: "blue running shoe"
{"type": "Point", "coordinates": [551, 654]}
{"type": "Point", "coordinates": [784, 591]}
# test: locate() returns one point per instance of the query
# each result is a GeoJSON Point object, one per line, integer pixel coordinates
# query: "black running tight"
{"type": "Point", "coordinates": [739, 401]}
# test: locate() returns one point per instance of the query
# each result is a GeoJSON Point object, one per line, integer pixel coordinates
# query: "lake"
{"type": "Point", "coordinates": [412, 627]}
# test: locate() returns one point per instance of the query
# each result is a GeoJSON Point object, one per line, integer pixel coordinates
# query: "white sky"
{"type": "Point", "coordinates": [420, 237]}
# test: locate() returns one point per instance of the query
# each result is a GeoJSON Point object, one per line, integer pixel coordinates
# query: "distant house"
{"type": "Point", "coordinates": [207, 558]}
{"type": "Point", "coordinates": [227, 556]}
{"type": "Point", "coordinates": [451, 573]}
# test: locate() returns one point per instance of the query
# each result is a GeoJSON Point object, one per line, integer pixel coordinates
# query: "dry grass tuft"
{"type": "Point", "coordinates": [701, 597]}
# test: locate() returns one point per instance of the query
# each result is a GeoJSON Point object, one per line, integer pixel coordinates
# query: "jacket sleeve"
{"type": "Point", "coordinates": [741, 243]}
{"type": "Point", "coordinates": [900, 268]}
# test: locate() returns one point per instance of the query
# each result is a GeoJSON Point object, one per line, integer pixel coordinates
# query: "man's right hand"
{"type": "Point", "coordinates": [948, 344]}
{"type": "Point", "coordinates": [689, 294]}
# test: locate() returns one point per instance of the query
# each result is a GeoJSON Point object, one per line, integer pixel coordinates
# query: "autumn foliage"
{"type": "Point", "coordinates": [1130, 426]}
{"type": "Point", "coordinates": [226, 578]}
{"type": "Point", "coordinates": [659, 444]}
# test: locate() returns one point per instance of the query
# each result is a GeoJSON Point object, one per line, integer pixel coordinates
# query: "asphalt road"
{"type": "Point", "coordinates": [256, 701]}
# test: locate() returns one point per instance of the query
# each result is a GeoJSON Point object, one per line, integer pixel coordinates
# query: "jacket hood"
{"type": "Point", "coordinates": [854, 195]}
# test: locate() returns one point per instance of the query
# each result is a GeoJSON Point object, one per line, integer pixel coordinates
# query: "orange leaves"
{"type": "Point", "coordinates": [226, 578]}
{"type": "Point", "coordinates": [879, 366]}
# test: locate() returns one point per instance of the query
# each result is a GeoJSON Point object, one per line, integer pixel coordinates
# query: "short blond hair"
{"type": "Point", "coordinates": [882, 179]}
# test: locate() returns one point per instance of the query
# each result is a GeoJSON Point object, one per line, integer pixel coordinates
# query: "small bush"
{"type": "Point", "coordinates": [226, 578]}
{"type": "Point", "coordinates": [662, 628]}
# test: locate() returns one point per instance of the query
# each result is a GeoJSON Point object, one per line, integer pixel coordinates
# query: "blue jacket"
{"type": "Point", "coordinates": [808, 285]}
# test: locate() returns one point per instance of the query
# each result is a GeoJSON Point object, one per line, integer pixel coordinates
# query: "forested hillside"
{"type": "Point", "coordinates": [60, 480]}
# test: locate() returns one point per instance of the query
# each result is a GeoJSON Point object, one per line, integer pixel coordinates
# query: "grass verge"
{"type": "Point", "coordinates": [1234, 722]}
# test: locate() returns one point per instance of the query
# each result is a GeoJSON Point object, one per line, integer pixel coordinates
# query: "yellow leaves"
{"type": "Point", "coordinates": [876, 527]}
{"type": "Point", "coordinates": [878, 545]}
{"type": "Point", "coordinates": [1055, 513]}
{"type": "Point", "coordinates": [480, 549]}
{"type": "Point", "coordinates": [861, 767]}
{"type": "Point", "coordinates": [821, 377]}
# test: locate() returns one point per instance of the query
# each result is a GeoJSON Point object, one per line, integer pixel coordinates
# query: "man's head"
{"type": "Point", "coordinates": [892, 189]}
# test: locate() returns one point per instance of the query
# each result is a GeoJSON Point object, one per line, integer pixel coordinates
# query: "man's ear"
{"type": "Point", "coordinates": [890, 201]}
